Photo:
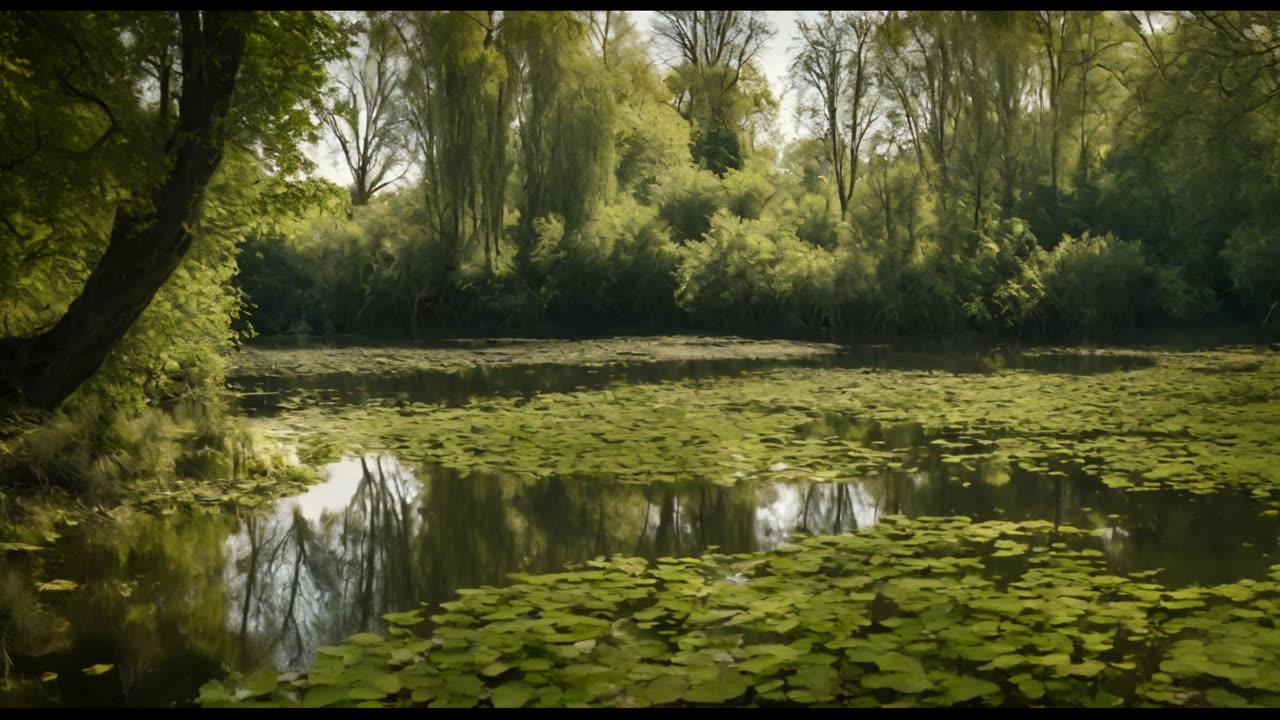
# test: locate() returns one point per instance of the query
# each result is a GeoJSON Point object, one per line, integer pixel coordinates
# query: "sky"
{"type": "Point", "coordinates": [773, 60]}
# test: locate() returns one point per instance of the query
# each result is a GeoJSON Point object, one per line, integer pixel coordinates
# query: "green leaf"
{"type": "Point", "coordinates": [365, 693]}
{"type": "Point", "coordinates": [317, 697]}
{"type": "Point", "coordinates": [820, 680]}
{"type": "Point", "coordinates": [1031, 688]}
{"type": "Point", "coordinates": [899, 663]}
{"type": "Point", "coordinates": [1004, 662]}
{"type": "Point", "coordinates": [722, 690]}
{"type": "Point", "coordinates": [511, 695]}
{"type": "Point", "coordinates": [1086, 668]}
{"type": "Point", "coordinates": [786, 626]}
{"type": "Point", "coordinates": [421, 695]}
{"type": "Point", "coordinates": [387, 683]}
{"type": "Point", "coordinates": [760, 665]}
{"type": "Point", "coordinates": [1218, 697]}
{"type": "Point", "coordinates": [964, 689]}
{"type": "Point", "coordinates": [366, 639]}
{"type": "Point", "coordinates": [261, 682]}
{"type": "Point", "coordinates": [769, 686]}
{"type": "Point", "coordinates": [901, 682]}
{"type": "Point", "coordinates": [408, 619]}
{"type": "Point", "coordinates": [665, 689]}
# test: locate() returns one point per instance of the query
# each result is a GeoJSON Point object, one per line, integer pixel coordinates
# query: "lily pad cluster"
{"type": "Point", "coordinates": [1172, 425]}
{"type": "Point", "coordinates": [248, 493]}
{"type": "Point", "coordinates": [460, 354]}
{"type": "Point", "coordinates": [929, 612]}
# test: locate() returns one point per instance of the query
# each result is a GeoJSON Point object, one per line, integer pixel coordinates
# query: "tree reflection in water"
{"type": "Point", "coordinates": [168, 601]}
{"type": "Point", "coordinates": [379, 537]}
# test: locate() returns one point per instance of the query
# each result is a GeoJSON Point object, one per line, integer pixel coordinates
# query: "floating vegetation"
{"type": "Point", "coordinates": [460, 354]}
{"type": "Point", "coordinates": [230, 494]}
{"type": "Point", "coordinates": [928, 612]}
{"type": "Point", "coordinates": [1170, 425]}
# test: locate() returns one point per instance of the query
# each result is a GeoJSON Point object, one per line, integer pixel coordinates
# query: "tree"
{"type": "Point", "coordinates": [833, 64]}
{"type": "Point", "coordinates": [714, 48]}
{"type": "Point", "coordinates": [565, 117]}
{"type": "Point", "coordinates": [920, 57]}
{"type": "Point", "coordinates": [364, 111]}
{"type": "Point", "coordinates": [1011, 54]}
{"type": "Point", "coordinates": [245, 78]}
{"type": "Point", "coordinates": [460, 100]}
{"type": "Point", "coordinates": [1052, 28]}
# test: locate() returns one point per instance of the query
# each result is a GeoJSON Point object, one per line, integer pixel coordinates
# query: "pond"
{"type": "Point", "coordinates": [441, 479]}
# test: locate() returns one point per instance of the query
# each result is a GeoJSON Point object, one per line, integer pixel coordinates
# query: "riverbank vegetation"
{"type": "Point", "coordinates": [1023, 173]}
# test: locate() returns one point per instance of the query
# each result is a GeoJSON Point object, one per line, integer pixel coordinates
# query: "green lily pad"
{"type": "Point", "coordinates": [902, 682]}
{"type": "Point", "coordinates": [511, 695]}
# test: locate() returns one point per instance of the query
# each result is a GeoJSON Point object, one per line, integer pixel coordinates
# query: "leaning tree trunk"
{"type": "Point", "coordinates": [145, 246]}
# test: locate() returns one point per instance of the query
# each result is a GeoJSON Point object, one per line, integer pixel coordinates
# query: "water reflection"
{"type": "Point", "coordinates": [320, 569]}
{"type": "Point", "coordinates": [171, 602]}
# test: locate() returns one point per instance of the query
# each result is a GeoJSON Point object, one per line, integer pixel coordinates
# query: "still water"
{"type": "Point", "coordinates": [171, 602]}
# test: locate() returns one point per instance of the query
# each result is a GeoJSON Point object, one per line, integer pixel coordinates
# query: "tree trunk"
{"type": "Point", "coordinates": [145, 246]}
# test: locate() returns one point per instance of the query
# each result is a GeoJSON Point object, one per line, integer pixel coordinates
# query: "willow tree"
{"type": "Point", "coordinates": [651, 138]}
{"type": "Point", "coordinates": [565, 121]}
{"type": "Point", "coordinates": [143, 106]}
{"type": "Point", "coordinates": [460, 97]}
{"type": "Point", "coordinates": [973, 37]}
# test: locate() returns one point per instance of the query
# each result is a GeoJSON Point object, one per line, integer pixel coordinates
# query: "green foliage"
{"type": "Point", "coordinates": [913, 294]}
{"type": "Point", "coordinates": [814, 221]}
{"type": "Point", "coordinates": [687, 199]}
{"type": "Point", "coordinates": [718, 148]}
{"type": "Point", "coordinates": [1098, 283]}
{"type": "Point", "coordinates": [1253, 260]}
{"type": "Point", "coordinates": [619, 268]}
{"type": "Point", "coordinates": [746, 192]}
{"type": "Point", "coordinates": [567, 122]}
{"type": "Point", "coordinates": [1004, 287]}
{"type": "Point", "coordinates": [538, 131]}
{"type": "Point", "coordinates": [753, 273]}
{"type": "Point", "coordinates": [147, 458]}
{"type": "Point", "coordinates": [652, 142]}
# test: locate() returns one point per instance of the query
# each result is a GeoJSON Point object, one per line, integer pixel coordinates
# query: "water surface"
{"type": "Point", "coordinates": [173, 601]}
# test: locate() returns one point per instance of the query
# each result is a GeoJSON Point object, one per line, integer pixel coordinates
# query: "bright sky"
{"type": "Point", "coordinates": [773, 60]}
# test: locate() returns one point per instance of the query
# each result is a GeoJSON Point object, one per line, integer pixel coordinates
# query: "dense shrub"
{"type": "Point", "coordinates": [687, 199]}
{"type": "Point", "coordinates": [754, 274]}
{"type": "Point", "coordinates": [1096, 283]}
{"type": "Point", "coordinates": [1253, 261]}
